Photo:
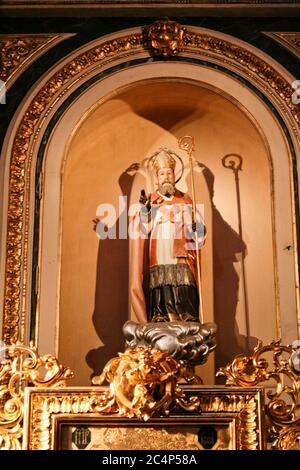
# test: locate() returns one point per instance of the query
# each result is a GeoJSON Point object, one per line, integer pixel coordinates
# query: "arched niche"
{"type": "Point", "coordinates": [118, 131]}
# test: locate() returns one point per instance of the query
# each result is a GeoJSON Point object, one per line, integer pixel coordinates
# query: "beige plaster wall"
{"type": "Point", "coordinates": [94, 274]}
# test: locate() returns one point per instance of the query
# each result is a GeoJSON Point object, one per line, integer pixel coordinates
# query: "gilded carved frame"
{"type": "Point", "coordinates": [47, 410]}
{"type": "Point", "coordinates": [146, 385]}
{"type": "Point", "coordinates": [55, 88]}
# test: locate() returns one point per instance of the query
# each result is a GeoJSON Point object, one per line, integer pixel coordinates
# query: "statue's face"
{"type": "Point", "coordinates": [165, 175]}
{"type": "Point", "coordinates": [166, 181]}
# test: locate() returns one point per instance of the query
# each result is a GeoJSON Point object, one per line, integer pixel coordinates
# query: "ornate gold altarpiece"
{"type": "Point", "coordinates": [147, 393]}
{"type": "Point", "coordinates": [235, 415]}
{"type": "Point", "coordinates": [38, 411]}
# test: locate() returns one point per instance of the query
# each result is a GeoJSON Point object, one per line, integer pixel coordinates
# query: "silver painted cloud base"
{"type": "Point", "coordinates": [185, 341]}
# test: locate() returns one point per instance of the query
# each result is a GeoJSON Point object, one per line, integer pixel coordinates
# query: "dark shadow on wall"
{"type": "Point", "coordinates": [228, 248]}
{"type": "Point", "coordinates": [111, 296]}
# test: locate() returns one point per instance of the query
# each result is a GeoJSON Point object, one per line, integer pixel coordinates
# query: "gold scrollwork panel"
{"type": "Point", "coordinates": [18, 51]}
{"type": "Point", "coordinates": [277, 366]}
{"type": "Point", "coordinates": [20, 366]}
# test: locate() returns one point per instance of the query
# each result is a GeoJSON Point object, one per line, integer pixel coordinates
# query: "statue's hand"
{"type": "Point", "coordinates": [95, 222]}
{"type": "Point", "coordinates": [144, 200]}
{"type": "Point", "coordinates": [199, 228]}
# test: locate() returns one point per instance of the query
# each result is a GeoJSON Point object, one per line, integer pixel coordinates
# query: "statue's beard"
{"type": "Point", "coordinates": [167, 189]}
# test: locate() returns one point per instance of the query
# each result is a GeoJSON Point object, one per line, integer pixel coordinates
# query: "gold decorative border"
{"type": "Point", "coordinates": [46, 408]}
{"type": "Point", "coordinates": [19, 51]}
{"type": "Point", "coordinates": [279, 363]}
{"type": "Point", "coordinates": [21, 365]}
{"type": "Point", "coordinates": [144, 387]}
{"type": "Point", "coordinates": [289, 40]}
{"type": "Point", "coordinates": [251, 63]}
{"type": "Point", "coordinates": [97, 57]}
